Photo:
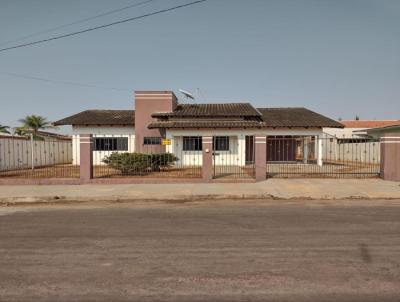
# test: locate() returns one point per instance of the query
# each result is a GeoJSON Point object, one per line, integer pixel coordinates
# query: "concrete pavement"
{"type": "Point", "coordinates": [269, 189]}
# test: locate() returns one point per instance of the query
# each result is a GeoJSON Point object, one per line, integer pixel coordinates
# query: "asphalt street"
{"type": "Point", "coordinates": [206, 251]}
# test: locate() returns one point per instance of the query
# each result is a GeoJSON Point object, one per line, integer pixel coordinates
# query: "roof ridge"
{"type": "Point", "coordinates": [282, 108]}
{"type": "Point", "coordinates": [217, 103]}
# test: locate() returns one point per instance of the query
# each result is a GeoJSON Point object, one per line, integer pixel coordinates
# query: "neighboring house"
{"type": "Point", "coordinates": [355, 130]}
{"type": "Point", "coordinates": [158, 116]}
{"type": "Point", "coordinates": [377, 132]}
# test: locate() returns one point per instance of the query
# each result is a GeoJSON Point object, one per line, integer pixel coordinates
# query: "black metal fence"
{"type": "Point", "coordinates": [25, 158]}
{"type": "Point", "coordinates": [322, 157]}
{"type": "Point", "coordinates": [117, 156]}
{"type": "Point", "coordinates": [233, 157]}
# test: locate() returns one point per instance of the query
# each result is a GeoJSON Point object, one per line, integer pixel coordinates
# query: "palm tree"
{"type": "Point", "coordinates": [4, 129]}
{"type": "Point", "coordinates": [20, 131]}
{"type": "Point", "coordinates": [34, 123]}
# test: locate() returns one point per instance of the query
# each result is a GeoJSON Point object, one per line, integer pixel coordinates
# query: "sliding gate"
{"type": "Point", "coordinates": [233, 157]}
{"type": "Point", "coordinates": [326, 157]}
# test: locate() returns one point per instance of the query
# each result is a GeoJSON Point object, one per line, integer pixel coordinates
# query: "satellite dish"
{"type": "Point", "coordinates": [186, 94]}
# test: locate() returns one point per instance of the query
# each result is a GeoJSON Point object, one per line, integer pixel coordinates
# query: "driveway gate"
{"type": "Point", "coordinates": [313, 156]}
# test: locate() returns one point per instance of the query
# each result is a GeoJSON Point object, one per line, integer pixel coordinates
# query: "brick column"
{"type": "Point", "coordinates": [86, 156]}
{"type": "Point", "coordinates": [390, 156]}
{"type": "Point", "coordinates": [261, 157]}
{"type": "Point", "coordinates": [207, 169]}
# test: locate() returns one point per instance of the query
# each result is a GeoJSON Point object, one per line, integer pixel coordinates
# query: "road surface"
{"type": "Point", "coordinates": [207, 251]}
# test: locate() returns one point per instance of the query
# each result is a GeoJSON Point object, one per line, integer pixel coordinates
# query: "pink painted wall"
{"type": "Point", "coordinates": [146, 103]}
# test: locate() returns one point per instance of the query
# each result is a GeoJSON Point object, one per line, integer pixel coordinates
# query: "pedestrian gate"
{"type": "Point", "coordinates": [233, 157]}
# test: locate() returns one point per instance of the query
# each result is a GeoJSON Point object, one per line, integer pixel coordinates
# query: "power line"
{"type": "Point", "coordinates": [16, 75]}
{"type": "Point", "coordinates": [103, 26]}
{"type": "Point", "coordinates": [76, 22]}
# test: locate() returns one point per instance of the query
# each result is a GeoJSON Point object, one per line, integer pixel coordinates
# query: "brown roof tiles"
{"type": "Point", "coordinates": [211, 110]}
{"type": "Point", "coordinates": [100, 117]}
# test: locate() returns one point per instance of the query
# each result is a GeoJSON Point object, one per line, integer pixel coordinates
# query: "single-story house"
{"type": "Point", "coordinates": [160, 123]}
{"type": "Point", "coordinates": [377, 132]}
{"type": "Point", "coordinates": [356, 130]}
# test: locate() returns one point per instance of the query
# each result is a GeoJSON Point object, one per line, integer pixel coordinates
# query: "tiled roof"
{"type": "Point", "coordinates": [211, 110]}
{"type": "Point", "coordinates": [206, 124]}
{"type": "Point", "coordinates": [100, 117]}
{"type": "Point", "coordinates": [368, 123]}
{"type": "Point", "coordinates": [295, 117]}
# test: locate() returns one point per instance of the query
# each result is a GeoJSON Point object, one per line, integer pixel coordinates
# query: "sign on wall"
{"type": "Point", "coordinates": [166, 142]}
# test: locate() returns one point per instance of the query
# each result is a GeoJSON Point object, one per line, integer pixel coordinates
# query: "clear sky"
{"type": "Point", "coordinates": [338, 57]}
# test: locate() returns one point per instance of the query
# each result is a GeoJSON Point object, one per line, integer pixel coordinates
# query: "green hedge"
{"type": "Point", "coordinates": [129, 163]}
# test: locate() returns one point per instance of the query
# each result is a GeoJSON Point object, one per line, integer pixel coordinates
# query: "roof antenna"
{"type": "Point", "coordinates": [186, 94]}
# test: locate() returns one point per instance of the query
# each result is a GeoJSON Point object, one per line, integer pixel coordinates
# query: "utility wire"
{"type": "Point", "coordinates": [103, 26]}
{"type": "Point", "coordinates": [16, 75]}
{"type": "Point", "coordinates": [76, 22]}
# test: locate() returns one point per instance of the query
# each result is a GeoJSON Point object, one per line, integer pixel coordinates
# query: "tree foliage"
{"type": "Point", "coordinates": [131, 163]}
{"type": "Point", "coordinates": [4, 129]}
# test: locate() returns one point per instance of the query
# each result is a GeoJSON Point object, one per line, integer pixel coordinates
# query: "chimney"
{"type": "Point", "coordinates": [146, 103]}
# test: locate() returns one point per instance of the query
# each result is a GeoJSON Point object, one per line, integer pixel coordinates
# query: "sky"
{"type": "Point", "coordinates": [340, 58]}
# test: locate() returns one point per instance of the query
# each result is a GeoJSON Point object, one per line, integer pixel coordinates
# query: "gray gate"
{"type": "Point", "coordinates": [313, 156]}
{"type": "Point", "coordinates": [233, 157]}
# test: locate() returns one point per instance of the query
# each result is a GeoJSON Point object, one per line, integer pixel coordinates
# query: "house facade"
{"type": "Point", "coordinates": [160, 124]}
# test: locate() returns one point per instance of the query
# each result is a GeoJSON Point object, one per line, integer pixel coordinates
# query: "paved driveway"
{"type": "Point", "coordinates": [225, 251]}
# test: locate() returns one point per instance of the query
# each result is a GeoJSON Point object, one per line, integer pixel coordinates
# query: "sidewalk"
{"type": "Point", "coordinates": [269, 189]}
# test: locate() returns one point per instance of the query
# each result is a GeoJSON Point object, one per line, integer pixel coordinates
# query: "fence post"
{"type": "Point", "coordinates": [390, 156]}
{"type": "Point", "coordinates": [86, 156]}
{"type": "Point", "coordinates": [207, 169]}
{"type": "Point", "coordinates": [261, 157]}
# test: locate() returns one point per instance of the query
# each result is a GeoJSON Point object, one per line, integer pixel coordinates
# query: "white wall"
{"type": "Point", "coordinates": [237, 144]}
{"type": "Point", "coordinates": [103, 131]}
{"type": "Point", "coordinates": [17, 153]}
{"type": "Point", "coordinates": [235, 156]}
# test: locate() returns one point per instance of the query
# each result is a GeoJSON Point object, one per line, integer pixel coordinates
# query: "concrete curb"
{"type": "Point", "coordinates": [52, 200]}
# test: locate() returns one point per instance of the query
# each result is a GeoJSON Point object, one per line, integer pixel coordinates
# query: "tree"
{"type": "Point", "coordinates": [4, 129]}
{"type": "Point", "coordinates": [20, 131]}
{"type": "Point", "coordinates": [34, 123]}
{"type": "Point", "coordinates": [357, 118]}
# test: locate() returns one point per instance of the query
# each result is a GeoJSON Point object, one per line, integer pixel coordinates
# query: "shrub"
{"type": "Point", "coordinates": [129, 163]}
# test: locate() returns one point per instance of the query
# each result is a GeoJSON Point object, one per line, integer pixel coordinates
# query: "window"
{"type": "Point", "coordinates": [192, 143]}
{"type": "Point", "coordinates": [221, 143]}
{"type": "Point", "coordinates": [152, 141]}
{"type": "Point", "coordinates": [111, 144]}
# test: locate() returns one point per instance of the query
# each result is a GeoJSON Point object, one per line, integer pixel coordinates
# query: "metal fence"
{"type": "Point", "coordinates": [26, 158]}
{"type": "Point", "coordinates": [233, 157]}
{"type": "Point", "coordinates": [322, 157]}
{"type": "Point", "coordinates": [116, 156]}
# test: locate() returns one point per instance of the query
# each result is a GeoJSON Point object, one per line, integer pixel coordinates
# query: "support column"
{"type": "Point", "coordinates": [390, 156]}
{"type": "Point", "coordinates": [305, 150]}
{"type": "Point", "coordinates": [319, 150]}
{"type": "Point", "coordinates": [241, 143]}
{"type": "Point", "coordinates": [260, 157]}
{"type": "Point", "coordinates": [169, 148]}
{"type": "Point", "coordinates": [86, 157]}
{"type": "Point", "coordinates": [207, 168]}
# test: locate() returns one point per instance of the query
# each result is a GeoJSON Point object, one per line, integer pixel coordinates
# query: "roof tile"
{"type": "Point", "coordinates": [100, 117]}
